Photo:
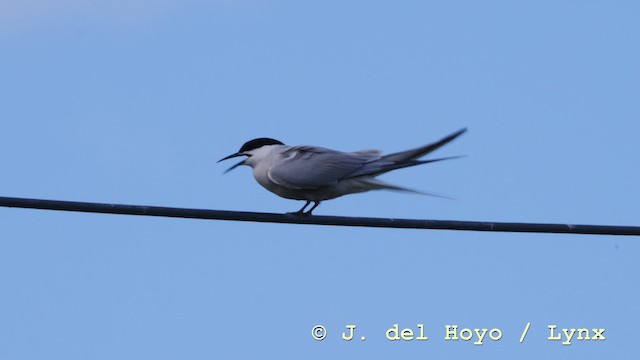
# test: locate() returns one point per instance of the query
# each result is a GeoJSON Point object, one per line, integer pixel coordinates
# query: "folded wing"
{"type": "Point", "coordinates": [417, 153]}
{"type": "Point", "coordinates": [308, 167]}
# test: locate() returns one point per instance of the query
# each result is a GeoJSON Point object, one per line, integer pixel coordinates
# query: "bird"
{"type": "Point", "coordinates": [315, 174]}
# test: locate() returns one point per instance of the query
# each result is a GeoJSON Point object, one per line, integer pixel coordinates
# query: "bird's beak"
{"type": "Point", "coordinates": [232, 156]}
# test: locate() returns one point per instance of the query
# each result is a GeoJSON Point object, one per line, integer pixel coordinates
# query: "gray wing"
{"type": "Point", "coordinates": [414, 154]}
{"type": "Point", "coordinates": [310, 167]}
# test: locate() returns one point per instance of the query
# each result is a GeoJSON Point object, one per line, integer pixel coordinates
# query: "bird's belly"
{"type": "Point", "coordinates": [341, 188]}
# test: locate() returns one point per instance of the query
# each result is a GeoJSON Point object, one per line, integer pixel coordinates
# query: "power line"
{"type": "Point", "coordinates": [315, 220]}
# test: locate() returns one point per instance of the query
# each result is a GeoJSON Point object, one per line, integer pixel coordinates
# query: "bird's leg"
{"type": "Point", "coordinates": [315, 205]}
{"type": "Point", "coordinates": [301, 211]}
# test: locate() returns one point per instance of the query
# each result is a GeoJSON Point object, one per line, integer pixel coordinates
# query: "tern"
{"type": "Point", "coordinates": [315, 174]}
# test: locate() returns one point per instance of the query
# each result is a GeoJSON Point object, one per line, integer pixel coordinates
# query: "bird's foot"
{"type": "Point", "coordinates": [299, 213]}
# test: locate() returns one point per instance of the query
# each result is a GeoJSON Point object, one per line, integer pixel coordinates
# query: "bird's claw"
{"type": "Point", "coordinates": [299, 213]}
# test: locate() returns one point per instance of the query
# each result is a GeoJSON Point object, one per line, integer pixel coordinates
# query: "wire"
{"type": "Point", "coordinates": [314, 219]}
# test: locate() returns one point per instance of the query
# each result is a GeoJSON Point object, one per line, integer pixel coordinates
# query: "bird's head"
{"type": "Point", "coordinates": [249, 149]}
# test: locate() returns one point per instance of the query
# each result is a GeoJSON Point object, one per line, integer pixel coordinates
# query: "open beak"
{"type": "Point", "coordinates": [232, 156]}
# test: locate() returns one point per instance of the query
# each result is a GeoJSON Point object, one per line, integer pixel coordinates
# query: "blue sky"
{"type": "Point", "coordinates": [134, 102]}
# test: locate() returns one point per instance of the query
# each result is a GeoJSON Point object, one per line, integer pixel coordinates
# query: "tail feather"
{"type": "Point", "coordinates": [364, 179]}
{"type": "Point", "coordinates": [379, 184]}
{"type": "Point", "coordinates": [414, 154]}
{"type": "Point", "coordinates": [379, 167]}
{"type": "Point", "coordinates": [410, 163]}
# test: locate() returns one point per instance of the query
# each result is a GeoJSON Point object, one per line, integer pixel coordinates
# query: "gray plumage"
{"type": "Point", "coordinates": [315, 174]}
